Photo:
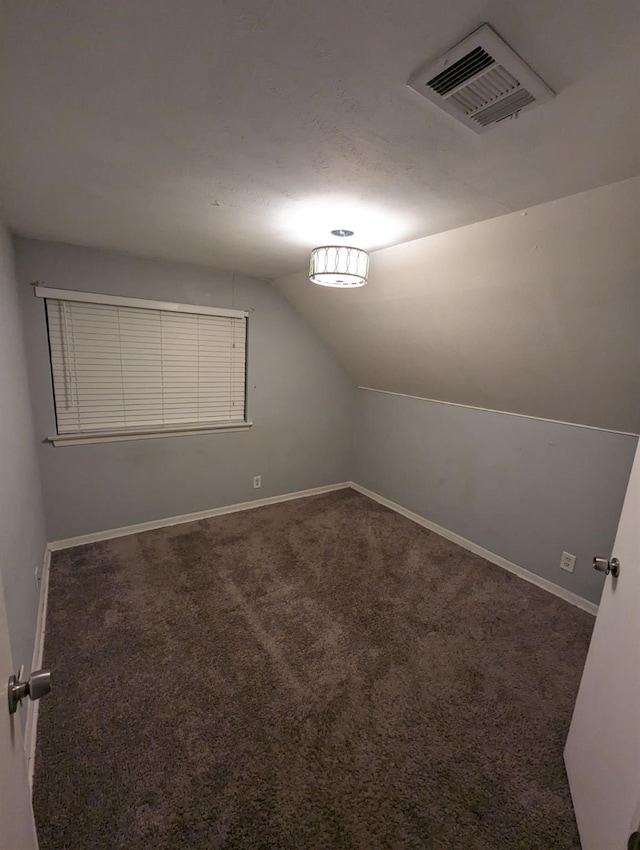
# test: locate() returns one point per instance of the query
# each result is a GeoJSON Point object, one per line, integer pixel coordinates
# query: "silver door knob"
{"type": "Point", "coordinates": [606, 566]}
{"type": "Point", "coordinates": [36, 686]}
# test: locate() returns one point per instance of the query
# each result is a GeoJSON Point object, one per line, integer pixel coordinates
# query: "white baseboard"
{"type": "Point", "coordinates": [544, 583]}
{"type": "Point", "coordinates": [177, 520]}
{"type": "Point", "coordinates": [31, 725]}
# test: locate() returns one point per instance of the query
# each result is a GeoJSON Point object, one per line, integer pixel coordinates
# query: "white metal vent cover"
{"type": "Point", "coordinates": [481, 81]}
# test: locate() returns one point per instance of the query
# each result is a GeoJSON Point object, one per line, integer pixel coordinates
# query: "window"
{"type": "Point", "coordinates": [125, 367]}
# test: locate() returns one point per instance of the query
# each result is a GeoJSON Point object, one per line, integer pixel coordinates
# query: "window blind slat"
{"type": "Point", "coordinates": [117, 367]}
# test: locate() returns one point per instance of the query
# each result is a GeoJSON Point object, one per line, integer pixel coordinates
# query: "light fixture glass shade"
{"type": "Point", "coordinates": [338, 265]}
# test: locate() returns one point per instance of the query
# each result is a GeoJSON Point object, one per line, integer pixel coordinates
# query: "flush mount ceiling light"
{"type": "Point", "coordinates": [339, 265]}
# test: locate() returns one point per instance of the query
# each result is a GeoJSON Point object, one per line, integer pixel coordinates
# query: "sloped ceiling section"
{"type": "Point", "coordinates": [536, 312]}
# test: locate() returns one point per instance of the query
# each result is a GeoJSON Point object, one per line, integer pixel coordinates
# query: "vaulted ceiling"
{"type": "Point", "coordinates": [233, 133]}
{"type": "Point", "coordinates": [536, 312]}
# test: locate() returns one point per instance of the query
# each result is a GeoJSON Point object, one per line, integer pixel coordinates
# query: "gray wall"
{"type": "Point", "coordinates": [22, 528]}
{"type": "Point", "coordinates": [522, 488]}
{"type": "Point", "coordinates": [299, 398]}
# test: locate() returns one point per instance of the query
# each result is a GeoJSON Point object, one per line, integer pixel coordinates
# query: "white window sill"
{"type": "Point", "coordinates": [79, 439]}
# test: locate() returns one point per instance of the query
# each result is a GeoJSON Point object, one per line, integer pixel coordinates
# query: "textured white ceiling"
{"type": "Point", "coordinates": [202, 131]}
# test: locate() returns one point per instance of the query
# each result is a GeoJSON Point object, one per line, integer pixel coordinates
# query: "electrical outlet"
{"type": "Point", "coordinates": [257, 481]}
{"type": "Point", "coordinates": [567, 562]}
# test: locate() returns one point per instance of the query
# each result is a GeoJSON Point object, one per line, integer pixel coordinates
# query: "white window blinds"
{"type": "Point", "coordinates": [120, 367]}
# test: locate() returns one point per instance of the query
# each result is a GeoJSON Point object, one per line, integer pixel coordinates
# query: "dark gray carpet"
{"type": "Point", "coordinates": [316, 674]}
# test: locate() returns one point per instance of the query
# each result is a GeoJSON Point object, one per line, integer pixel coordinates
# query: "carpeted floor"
{"type": "Point", "coordinates": [320, 673]}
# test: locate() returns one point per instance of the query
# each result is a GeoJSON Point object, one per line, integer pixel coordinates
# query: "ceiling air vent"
{"type": "Point", "coordinates": [481, 81]}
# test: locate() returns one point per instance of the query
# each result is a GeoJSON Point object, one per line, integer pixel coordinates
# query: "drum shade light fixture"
{"type": "Point", "coordinates": [339, 265]}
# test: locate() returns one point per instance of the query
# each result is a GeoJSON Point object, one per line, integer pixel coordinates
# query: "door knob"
{"type": "Point", "coordinates": [606, 566]}
{"type": "Point", "coordinates": [37, 685]}
{"type": "Point", "coordinates": [634, 841]}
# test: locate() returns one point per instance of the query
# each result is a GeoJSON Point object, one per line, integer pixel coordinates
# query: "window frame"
{"type": "Point", "coordinates": [145, 431]}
